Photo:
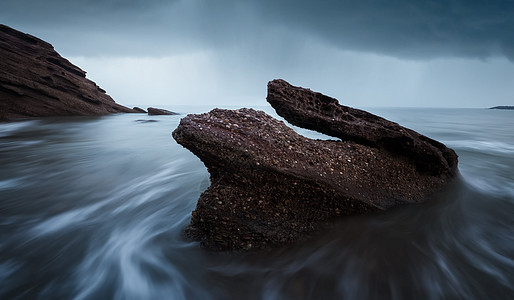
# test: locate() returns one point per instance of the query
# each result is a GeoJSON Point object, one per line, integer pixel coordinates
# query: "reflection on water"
{"type": "Point", "coordinates": [93, 208]}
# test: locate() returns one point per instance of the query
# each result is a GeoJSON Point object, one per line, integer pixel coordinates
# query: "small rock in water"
{"type": "Point", "coordinates": [139, 110]}
{"type": "Point", "coordinates": [157, 111]}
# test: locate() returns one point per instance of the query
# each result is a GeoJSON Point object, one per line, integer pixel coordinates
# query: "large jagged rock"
{"type": "Point", "coordinates": [35, 81]}
{"type": "Point", "coordinates": [271, 186]}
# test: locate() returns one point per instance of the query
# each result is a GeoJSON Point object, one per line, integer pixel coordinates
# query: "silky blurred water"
{"type": "Point", "coordinates": [94, 207]}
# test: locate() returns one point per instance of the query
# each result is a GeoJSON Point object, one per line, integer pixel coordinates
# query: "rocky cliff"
{"type": "Point", "coordinates": [271, 186]}
{"type": "Point", "coordinates": [35, 81]}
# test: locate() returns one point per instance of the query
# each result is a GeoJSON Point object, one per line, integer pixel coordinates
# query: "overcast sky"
{"type": "Point", "coordinates": [365, 53]}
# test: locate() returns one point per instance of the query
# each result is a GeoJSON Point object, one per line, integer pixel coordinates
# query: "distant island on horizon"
{"type": "Point", "coordinates": [502, 107]}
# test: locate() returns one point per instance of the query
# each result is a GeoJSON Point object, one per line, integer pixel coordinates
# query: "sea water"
{"type": "Point", "coordinates": [94, 208]}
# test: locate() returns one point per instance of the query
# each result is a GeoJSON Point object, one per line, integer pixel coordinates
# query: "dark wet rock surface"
{"type": "Point", "coordinates": [35, 81]}
{"type": "Point", "coordinates": [271, 186]}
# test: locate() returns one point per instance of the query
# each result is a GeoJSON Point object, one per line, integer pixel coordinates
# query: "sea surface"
{"type": "Point", "coordinates": [94, 208]}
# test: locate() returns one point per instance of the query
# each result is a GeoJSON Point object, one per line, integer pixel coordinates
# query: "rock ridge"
{"type": "Point", "coordinates": [312, 110]}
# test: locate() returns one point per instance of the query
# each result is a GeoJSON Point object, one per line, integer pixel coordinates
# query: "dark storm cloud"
{"type": "Point", "coordinates": [404, 28]}
{"type": "Point", "coordinates": [81, 16]}
{"type": "Point", "coordinates": [54, 11]}
{"type": "Point", "coordinates": [412, 29]}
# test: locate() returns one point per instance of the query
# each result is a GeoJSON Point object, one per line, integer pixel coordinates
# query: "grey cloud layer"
{"type": "Point", "coordinates": [406, 29]}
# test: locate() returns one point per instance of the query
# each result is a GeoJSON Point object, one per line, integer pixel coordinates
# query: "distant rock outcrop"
{"type": "Point", "coordinates": [502, 107]}
{"type": "Point", "coordinates": [271, 186]}
{"type": "Point", "coordinates": [35, 81]}
{"type": "Point", "coordinates": [157, 112]}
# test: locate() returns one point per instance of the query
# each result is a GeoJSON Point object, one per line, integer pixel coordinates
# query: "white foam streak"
{"type": "Point", "coordinates": [67, 220]}
{"type": "Point", "coordinates": [11, 183]}
{"type": "Point", "coordinates": [131, 195]}
{"type": "Point", "coordinates": [123, 256]}
{"type": "Point", "coordinates": [7, 129]}
{"type": "Point", "coordinates": [482, 146]}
